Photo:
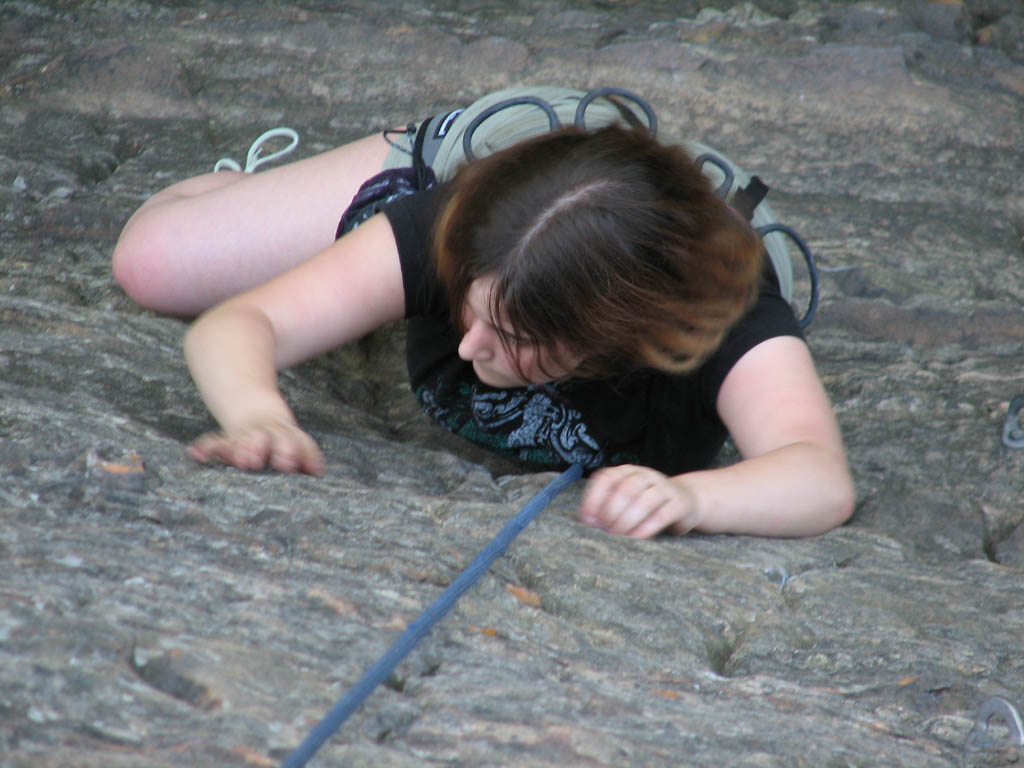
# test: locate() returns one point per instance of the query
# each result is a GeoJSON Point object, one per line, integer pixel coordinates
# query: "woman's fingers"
{"type": "Point", "coordinates": [636, 501]}
{"type": "Point", "coordinates": [283, 447]}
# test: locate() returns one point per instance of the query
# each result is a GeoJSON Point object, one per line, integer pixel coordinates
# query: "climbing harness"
{"type": "Point", "coordinates": [999, 709]}
{"type": "Point", "coordinates": [444, 142]}
{"type": "Point", "coordinates": [744, 194]}
{"type": "Point", "coordinates": [579, 120]}
{"type": "Point", "coordinates": [253, 159]}
{"type": "Point", "coordinates": [1013, 429]}
{"type": "Point", "coordinates": [380, 671]}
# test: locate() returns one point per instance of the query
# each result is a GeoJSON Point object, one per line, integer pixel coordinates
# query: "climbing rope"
{"type": "Point", "coordinates": [380, 671]}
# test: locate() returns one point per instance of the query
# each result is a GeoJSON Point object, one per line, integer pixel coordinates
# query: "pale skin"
{"type": "Point", "coordinates": [254, 255]}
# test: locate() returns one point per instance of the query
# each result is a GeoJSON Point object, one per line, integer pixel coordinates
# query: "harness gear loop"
{"type": "Point", "coordinates": [812, 269]}
{"type": "Point", "coordinates": [725, 168]}
{"type": "Point", "coordinates": [580, 119]}
{"type": "Point", "coordinates": [467, 137]}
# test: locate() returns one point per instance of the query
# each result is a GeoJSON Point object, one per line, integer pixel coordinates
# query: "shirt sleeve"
{"type": "Point", "coordinates": [771, 316]}
{"type": "Point", "coordinates": [412, 221]}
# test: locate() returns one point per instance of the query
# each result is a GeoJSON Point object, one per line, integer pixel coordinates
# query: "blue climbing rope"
{"type": "Point", "coordinates": [380, 671]}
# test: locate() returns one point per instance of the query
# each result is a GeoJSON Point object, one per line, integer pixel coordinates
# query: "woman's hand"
{"type": "Point", "coordinates": [235, 350]}
{"type": "Point", "coordinates": [638, 501]}
{"type": "Point", "coordinates": [277, 443]}
{"type": "Point", "coordinates": [793, 480]}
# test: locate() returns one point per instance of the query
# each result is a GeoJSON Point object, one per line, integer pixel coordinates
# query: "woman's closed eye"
{"type": "Point", "coordinates": [511, 338]}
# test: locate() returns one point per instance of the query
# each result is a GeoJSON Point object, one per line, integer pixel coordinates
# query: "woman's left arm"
{"type": "Point", "coordinates": [793, 480]}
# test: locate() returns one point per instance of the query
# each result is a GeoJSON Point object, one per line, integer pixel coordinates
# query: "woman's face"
{"type": "Point", "coordinates": [496, 362]}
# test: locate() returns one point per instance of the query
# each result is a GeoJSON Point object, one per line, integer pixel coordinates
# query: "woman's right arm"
{"type": "Point", "coordinates": [235, 349]}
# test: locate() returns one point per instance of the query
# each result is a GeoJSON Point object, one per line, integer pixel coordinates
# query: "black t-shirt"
{"type": "Point", "coordinates": [661, 420]}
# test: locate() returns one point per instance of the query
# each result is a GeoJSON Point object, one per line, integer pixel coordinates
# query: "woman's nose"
{"type": "Point", "coordinates": [476, 344]}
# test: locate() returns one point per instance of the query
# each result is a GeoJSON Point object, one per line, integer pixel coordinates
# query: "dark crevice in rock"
{"type": "Point", "coordinates": [95, 167]}
{"type": "Point", "coordinates": [719, 647]}
{"type": "Point", "coordinates": [430, 668]}
{"type": "Point", "coordinates": [395, 682]}
{"type": "Point", "coordinates": [1007, 549]}
{"type": "Point", "coordinates": [989, 544]}
{"type": "Point", "coordinates": [163, 674]}
{"type": "Point", "coordinates": [609, 37]}
{"type": "Point", "coordinates": [193, 77]}
{"type": "Point", "coordinates": [778, 575]}
{"type": "Point", "coordinates": [392, 724]}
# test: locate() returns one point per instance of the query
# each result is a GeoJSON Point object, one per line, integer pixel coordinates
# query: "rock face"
{"type": "Point", "coordinates": [158, 613]}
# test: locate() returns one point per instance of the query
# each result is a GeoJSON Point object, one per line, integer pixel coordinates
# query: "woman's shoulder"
{"type": "Point", "coordinates": [770, 316]}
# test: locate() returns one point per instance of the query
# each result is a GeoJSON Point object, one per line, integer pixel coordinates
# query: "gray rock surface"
{"type": "Point", "coordinates": [158, 613]}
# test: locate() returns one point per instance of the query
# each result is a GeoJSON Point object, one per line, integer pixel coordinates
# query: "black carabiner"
{"type": "Point", "coordinates": [467, 137]}
{"type": "Point", "coordinates": [580, 120]}
{"type": "Point", "coordinates": [812, 269]}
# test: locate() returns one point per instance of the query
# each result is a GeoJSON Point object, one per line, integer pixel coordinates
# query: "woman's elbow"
{"type": "Point", "coordinates": [143, 265]}
{"type": "Point", "coordinates": [842, 498]}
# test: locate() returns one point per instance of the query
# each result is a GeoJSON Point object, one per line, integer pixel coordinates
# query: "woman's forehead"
{"type": "Point", "coordinates": [480, 296]}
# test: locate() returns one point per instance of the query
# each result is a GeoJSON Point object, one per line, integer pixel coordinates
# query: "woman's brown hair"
{"type": "Point", "coordinates": [606, 244]}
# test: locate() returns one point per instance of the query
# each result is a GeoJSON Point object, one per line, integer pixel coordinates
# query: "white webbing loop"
{"type": "Point", "coordinates": [253, 159]}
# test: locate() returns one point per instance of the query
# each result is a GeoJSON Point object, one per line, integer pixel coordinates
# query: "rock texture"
{"type": "Point", "coordinates": [158, 613]}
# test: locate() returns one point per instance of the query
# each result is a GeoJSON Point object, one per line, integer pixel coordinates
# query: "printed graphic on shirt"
{"type": "Point", "coordinates": [528, 423]}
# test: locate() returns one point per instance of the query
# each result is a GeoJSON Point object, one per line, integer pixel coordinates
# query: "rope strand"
{"type": "Point", "coordinates": [380, 671]}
